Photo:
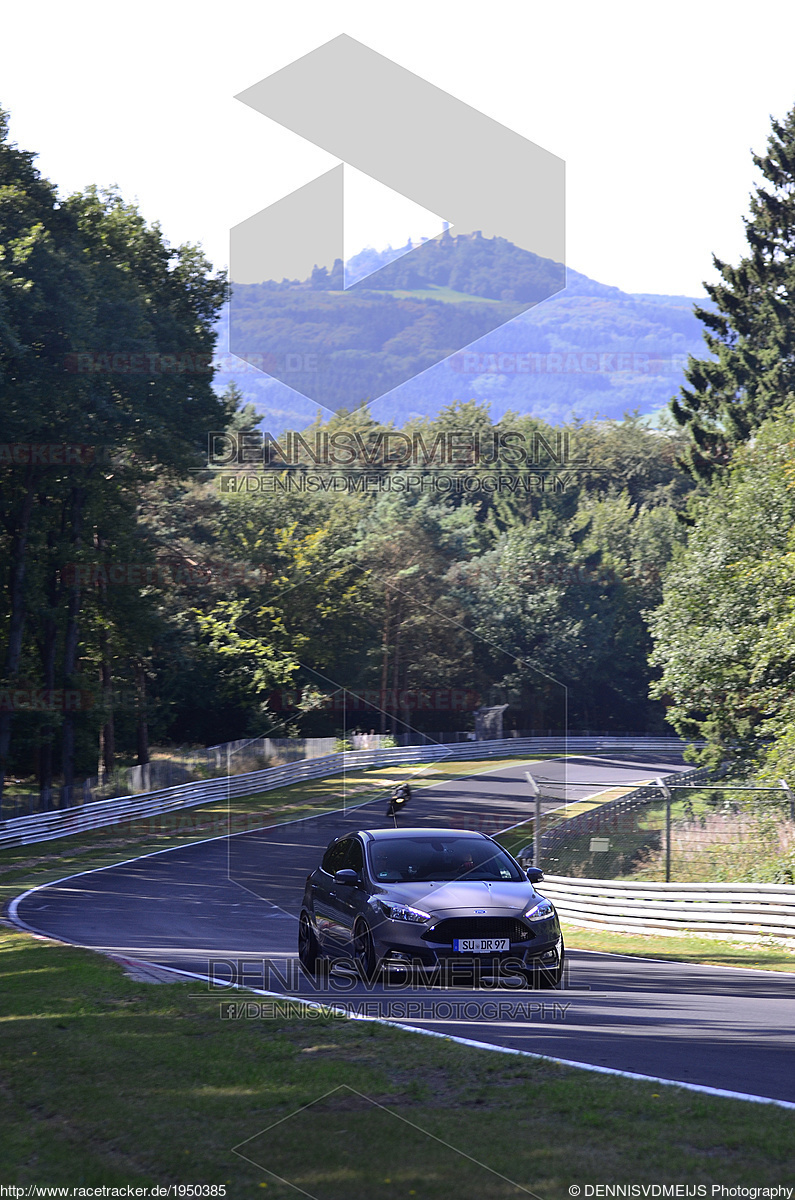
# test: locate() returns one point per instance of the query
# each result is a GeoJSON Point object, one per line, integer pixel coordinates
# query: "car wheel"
{"type": "Point", "coordinates": [364, 951]}
{"type": "Point", "coordinates": [308, 948]}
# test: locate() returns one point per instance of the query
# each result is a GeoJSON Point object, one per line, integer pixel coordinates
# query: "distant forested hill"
{"type": "Point", "coordinates": [590, 350]}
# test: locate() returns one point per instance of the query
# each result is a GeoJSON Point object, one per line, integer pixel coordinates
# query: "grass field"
{"type": "Point", "coordinates": [450, 296]}
{"type": "Point", "coordinates": [106, 1081]}
{"type": "Point", "coordinates": [753, 841]}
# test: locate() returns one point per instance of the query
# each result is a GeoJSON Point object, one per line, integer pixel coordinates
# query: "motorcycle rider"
{"type": "Point", "coordinates": [401, 794]}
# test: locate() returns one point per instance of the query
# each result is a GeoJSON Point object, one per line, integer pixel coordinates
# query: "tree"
{"type": "Point", "coordinates": [721, 632]}
{"type": "Point", "coordinates": [242, 417]}
{"type": "Point", "coordinates": [750, 333]}
{"type": "Point", "coordinates": [78, 277]}
{"type": "Point", "coordinates": [404, 550]}
{"type": "Point", "coordinates": [41, 282]}
{"type": "Point", "coordinates": [555, 608]}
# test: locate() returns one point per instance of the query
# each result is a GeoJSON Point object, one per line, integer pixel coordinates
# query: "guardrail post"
{"type": "Point", "coordinates": [666, 791]}
{"type": "Point", "coordinates": [536, 792]}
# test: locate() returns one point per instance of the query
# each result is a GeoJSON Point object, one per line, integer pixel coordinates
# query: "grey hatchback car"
{"type": "Point", "coordinates": [448, 900]}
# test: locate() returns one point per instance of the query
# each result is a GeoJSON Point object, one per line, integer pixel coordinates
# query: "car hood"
{"type": "Point", "coordinates": [462, 896]}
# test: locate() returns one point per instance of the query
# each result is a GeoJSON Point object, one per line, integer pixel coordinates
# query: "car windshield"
{"type": "Point", "coordinates": [440, 859]}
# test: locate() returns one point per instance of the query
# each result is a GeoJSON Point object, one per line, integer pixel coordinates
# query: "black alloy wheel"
{"type": "Point", "coordinates": [364, 951]}
{"type": "Point", "coordinates": [308, 948]}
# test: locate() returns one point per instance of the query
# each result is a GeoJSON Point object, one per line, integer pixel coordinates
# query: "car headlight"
{"type": "Point", "coordinates": [541, 911]}
{"type": "Point", "coordinates": [402, 912]}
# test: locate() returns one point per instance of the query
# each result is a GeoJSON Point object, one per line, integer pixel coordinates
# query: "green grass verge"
{"type": "Point", "coordinates": [22, 867]}
{"type": "Point", "coordinates": [764, 955]}
{"type": "Point", "coordinates": [106, 1081]}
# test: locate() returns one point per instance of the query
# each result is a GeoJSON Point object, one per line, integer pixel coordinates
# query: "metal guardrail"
{"type": "Point", "coordinates": [42, 827]}
{"type": "Point", "coordinates": [733, 910]}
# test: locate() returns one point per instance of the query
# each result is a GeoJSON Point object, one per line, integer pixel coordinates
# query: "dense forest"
{"type": "Point", "coordinates": [390, 326]}
{"type": "Point", "coordinates": [589, 351]}
{"type": "Point", "coordinates": [603, 576]}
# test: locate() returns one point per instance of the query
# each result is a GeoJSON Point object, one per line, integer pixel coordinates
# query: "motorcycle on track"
{"type": "Point", "coordinates": [398, 800]}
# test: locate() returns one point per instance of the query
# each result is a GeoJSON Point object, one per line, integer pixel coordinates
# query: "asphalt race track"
{"type": "Point", "coordinates": [228, 908]}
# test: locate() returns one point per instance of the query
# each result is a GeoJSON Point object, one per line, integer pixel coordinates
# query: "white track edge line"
{"type": "Point", "coordinates": [702, 1088]}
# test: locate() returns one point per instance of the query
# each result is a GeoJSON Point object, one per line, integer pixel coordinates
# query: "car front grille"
{"type": "Point", "coordinates": [478, 927]}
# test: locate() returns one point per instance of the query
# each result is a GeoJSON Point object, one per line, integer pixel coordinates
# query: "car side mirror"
{"type": "Point", "coordinates": [535, 874]}
{"type": "Point", "coordinates": [348, 878]}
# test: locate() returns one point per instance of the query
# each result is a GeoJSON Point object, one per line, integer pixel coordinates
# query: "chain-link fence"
{"type": "Point", "coordinates": [721, 834]}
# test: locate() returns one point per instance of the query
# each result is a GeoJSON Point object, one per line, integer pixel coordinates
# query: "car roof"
{"type": "Point", "coordinates": [377, 835]}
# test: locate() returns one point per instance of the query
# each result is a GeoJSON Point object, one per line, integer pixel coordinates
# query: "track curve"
{"type": "Point", "coordinates": [228, 908]}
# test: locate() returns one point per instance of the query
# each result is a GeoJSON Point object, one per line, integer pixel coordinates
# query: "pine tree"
{"type": "Point", "coordinates": [751, 332]}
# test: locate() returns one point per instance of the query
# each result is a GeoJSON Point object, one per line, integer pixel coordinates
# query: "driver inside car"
{"type": "Point", "coordinates": [466, 864]}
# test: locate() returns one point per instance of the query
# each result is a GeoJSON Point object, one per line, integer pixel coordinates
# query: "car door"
{"type": "Point", "coordinates": [324, 894]}
{"type": "Point", "coordinates": [348, 900]}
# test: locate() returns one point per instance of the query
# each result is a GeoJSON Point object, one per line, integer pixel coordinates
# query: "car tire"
{"type": "Point", "coordinates": [364, 952]}
{"type": "Point", "coordinates": [308, 948]}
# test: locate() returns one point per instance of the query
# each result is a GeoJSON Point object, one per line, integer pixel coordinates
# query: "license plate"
{"type": "Point", "coordinates": [481, 945]}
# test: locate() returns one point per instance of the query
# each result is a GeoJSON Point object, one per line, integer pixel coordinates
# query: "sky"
{"type": "Point", "coordinates": [655, 109]}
